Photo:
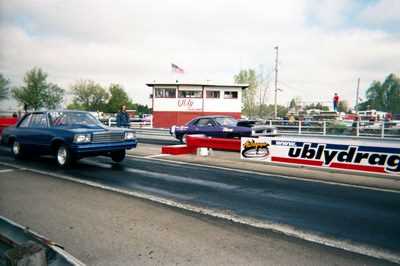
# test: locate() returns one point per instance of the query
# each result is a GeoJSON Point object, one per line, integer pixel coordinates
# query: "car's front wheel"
{"type": "Point", "coordinates": [63, 156]}
{"type": "Point", "coordinates": [118, 156]}
{"type": "Point", "coordinates": [17, 150]}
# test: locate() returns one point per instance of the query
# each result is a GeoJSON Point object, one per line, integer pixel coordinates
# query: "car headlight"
{"type": "Point", "coordinates": [130, 135]}
{"type": "Point", "coordinates": [82, 138]}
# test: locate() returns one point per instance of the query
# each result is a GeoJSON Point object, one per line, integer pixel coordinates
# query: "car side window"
{"type": "Point", "coordinates": [204, 122]}
{"type": "Point", "coordinates": [38, 121]}
{"type": "Point", "coordinates": [25, 122]}
{"type": "Point", "coordinates": [57, 119]}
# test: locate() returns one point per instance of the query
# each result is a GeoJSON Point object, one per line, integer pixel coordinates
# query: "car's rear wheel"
{"type": "Point", "coordinates": [63, 156]}
{"type": "Point", "coordinates": [17, 149]}
{"type": "Point", "coordinates": [118, 156]}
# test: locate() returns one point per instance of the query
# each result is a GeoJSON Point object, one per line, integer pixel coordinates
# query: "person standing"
{"type": "Point", "coordinates": [335, 102]}
{"type": "Point", "coordinates": [123, 117]}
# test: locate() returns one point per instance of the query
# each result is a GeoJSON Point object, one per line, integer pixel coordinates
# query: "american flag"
{"type": "Point", "coordinates": [176, 69]}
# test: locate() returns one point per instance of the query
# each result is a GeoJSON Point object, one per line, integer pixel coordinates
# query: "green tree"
{"type": "Point", "coordinates": [88, 96]}
{"type": "Point", "coordinates": [4, 87]}
{"type": "Point", "coordinates": [37, 93]}
{"type": "Point", "coordinates": [383, 96]}
{"type": "Point", "coordinates": [118, 98]}
{"type": "Point", "coordinates": [343, 106]}
{"type": "Point", "coordinates": [267, 111]}
{"type": "Point", "coordinates": [75, 106]}
{"type": "Point", "coordinates": [140, 109]}
{"type": "Point", "coordinates": [318, 106]}
{"type": "Point", "coordinates": [391, 86]}
{"type": "Point", "coordinates": [292, 104]}
{"type": "Point", "coordinates": [248, 76]}
{"type": "Point", "coordinates": [321, 107]}
{"type": "Point", "coordinates": [295, 103]}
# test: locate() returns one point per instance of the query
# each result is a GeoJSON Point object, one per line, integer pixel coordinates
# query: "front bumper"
{"type": "Point", "coordinates": [93, 149]}
{"type": "Point", "coordinates": [263, 132]}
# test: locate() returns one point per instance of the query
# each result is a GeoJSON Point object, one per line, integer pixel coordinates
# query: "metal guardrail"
{"type": "Point", "coordinates": [381, 129]}
{"type": "Point", "coordinates": [111, 122]}
{"type": "Point", "coordinates": [322, 128]}
{"type": "Point", "coordinates": [153, 131]}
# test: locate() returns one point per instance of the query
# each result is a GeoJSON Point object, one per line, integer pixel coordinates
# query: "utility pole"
{"type": "Point", "coordinates": [358, 94]}
{"type": "Point", "coordinates": [276, 83]}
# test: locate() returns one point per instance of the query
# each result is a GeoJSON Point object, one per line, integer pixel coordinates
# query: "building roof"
{"type": "Point", "coordinates": [220, 85]}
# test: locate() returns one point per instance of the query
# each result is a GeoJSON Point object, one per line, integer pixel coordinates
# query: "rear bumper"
{"type": "Point", "coordinates": [91, 149]}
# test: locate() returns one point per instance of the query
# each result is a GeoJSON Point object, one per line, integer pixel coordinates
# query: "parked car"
{"type": "Point", "coordinates": [69, 135]}
{"type": "Point", "coordinates": [222, 127]}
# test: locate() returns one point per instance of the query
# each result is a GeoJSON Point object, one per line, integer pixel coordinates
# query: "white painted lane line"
{"type": "Point", "coordinates": [6, 170]}
{"type": "Point", "coordinates": [172, 162]}
{"type": "Point", "coordinates": [285, 229]}
{"type": "Point", "coordinates": [157, 155]}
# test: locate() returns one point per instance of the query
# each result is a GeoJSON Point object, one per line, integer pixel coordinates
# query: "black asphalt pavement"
{"type": "Point", "coordinates": [355, 215]}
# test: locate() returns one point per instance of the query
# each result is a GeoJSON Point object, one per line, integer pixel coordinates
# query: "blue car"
{"type": "Point", "coordinates": [69, 135]}
{"type": "Point", "coordinates": [222, 127]}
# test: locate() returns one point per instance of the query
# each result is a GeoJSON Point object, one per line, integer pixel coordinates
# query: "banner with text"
{"type": "Point", "coordinates": [359, 155]}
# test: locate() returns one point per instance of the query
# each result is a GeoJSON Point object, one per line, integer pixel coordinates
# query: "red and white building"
{"type": "Point", "coordinates": [178, 103]}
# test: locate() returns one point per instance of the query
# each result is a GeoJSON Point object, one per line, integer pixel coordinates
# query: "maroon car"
{"type": "Point", "coordinates": [222, 127]}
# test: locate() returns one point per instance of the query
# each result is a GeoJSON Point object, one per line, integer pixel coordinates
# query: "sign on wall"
{"type": "Point", "coordinates": [188, 104]}
{"type": "Point", "coordinates": [371, 158]}
{"type": "Point", "coordinates": [255, 149]}
{"type": "Point", "coordinates": [357, 155]}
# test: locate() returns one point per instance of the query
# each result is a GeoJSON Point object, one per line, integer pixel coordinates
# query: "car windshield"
{"type": "Point", "coordinates": [226, 121]}
{"type": "Point", "coordinates": [73, 119]}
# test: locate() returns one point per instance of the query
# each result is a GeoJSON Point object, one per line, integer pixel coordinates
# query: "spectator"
{"type": "Point", "coordinates": [335, 102]}
{"type": "Point", "coordinates": [123, 118]}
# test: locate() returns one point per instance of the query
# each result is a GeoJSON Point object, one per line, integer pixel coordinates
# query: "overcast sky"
{"type": "Point", "coordinates": [324, 46]}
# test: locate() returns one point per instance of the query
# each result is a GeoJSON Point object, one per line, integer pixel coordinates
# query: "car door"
{"type": "Point", "coordinates": [218, 130]}
{"type": "Point", "coordinates": [40, 134]}
{"type": "Point", "coordinates": [225, 127]}
{"type": "Point", "coordinates": [22, 131]}
{"type": "Point", "coordinates": [205, 126]}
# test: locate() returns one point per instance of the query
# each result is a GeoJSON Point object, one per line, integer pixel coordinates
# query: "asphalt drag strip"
{"type": "Point", "coordinates": [101, 227]}
{"type": "Point", "coordinates": [354, 219]}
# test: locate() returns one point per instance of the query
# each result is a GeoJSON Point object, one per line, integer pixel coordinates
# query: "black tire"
{"type": "Point", "coordinates": [17, 150]}
{"type": "Point", "coordinates": [118, 156]}
{"type": "Point", "coordinates": [63, 156]}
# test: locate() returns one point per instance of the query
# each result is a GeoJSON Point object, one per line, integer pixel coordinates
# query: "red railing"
{"type": "Point", "coordinates": [197, 141]}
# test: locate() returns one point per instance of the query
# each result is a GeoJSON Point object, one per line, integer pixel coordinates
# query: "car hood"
{"type": "Point", "coordinates": [97, 129]}
{"type": "Point", "coordinates": [249, 123]}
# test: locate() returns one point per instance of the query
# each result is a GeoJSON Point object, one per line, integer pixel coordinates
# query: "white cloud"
{"type": "Point", "coordinates": [330, 13]}
{"type": "Point", "coordinates": [382, 12]}
{"type": "Point", "coordinates": [134, 42]}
